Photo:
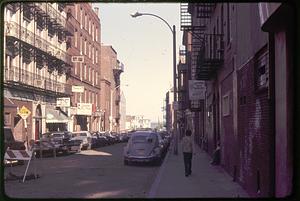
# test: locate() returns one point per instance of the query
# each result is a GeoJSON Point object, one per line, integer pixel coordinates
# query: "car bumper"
{"type": "Point", "coordinates": [141, 159]}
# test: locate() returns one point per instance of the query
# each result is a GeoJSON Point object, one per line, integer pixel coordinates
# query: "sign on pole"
{"type": "Point", "coordinates": [197, 89]}
{"type": "Point", "coordinates": [24, 112]}
{"type": "Point", "coordinates": [78, 89]}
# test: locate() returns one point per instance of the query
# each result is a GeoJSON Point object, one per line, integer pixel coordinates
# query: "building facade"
{"type": "Point", "coordinates": [111, 69]}
{"type": "Point", "coordinates": [237, 61]}
{"type": "Point", "coordinates": [36, 67]}
{"type": "Point", "coordinates": [122, 112]}
{"type": "Point", "coordinates": [85, 48]}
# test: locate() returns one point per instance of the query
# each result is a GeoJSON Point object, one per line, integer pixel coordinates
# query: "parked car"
{"type": "Point", "coordinates": [11, 143]}
{"type": "Point", "coordinates": [143, 146]}
{"type": "Point", "coordinates": [86, 138]}
{"type": "Point", "coordinates": [52, 143]}
{"type": "Point", "coordinates": [9, 140]}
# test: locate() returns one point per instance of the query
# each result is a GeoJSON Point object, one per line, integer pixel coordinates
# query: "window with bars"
{"type": "Point", "coordinates": [226, 105]}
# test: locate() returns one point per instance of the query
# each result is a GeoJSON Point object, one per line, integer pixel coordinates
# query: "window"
{"type": "Point", "coordinates": [89, 50]}
{"type": "Point", "coordinates": [85, 71]}
{"type": "Point", "coordinates": [93, 55]}
{"type": "Point", "coordinates": [7, 119]}
{"type": "Point", "coordinates": [75, 38]}
{"type": "Point", "coordinates": [93, 77]}
{"type": "Point", "coordinates": [261, 69]}
{"type": "Point", "coordinates": [96, 34]}
{"type": "Point", "coordinates": [93, 30]}
{"type": "Point", "coordinates": [228, 24]}
{"type": "Point", "coordinates": [96, 78]}
{"type": "Point", "coordinates": [85, 21]}
{"type": "Point", "coordinates": [96, 100]}
{"type": "Point", "coordinates": [85, 46]}
{"type": "Point", "coordinates": [96, 56]}
{"type": "Point", "coordinates": [225, 105]}
{"type": "Point", "coordinates": [81, 44]}
{"type": "Point", "coordinates": [81, 17]}
{"type": "Point", "coordinates": [75, 68]}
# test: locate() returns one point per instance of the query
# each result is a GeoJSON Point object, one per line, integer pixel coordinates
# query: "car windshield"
{"type": "Point", "coordinates": [139, 139]}
{"type": "Point", "coordinates": [143, 138]}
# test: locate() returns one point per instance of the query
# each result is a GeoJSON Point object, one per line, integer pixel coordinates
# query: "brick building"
{"type": "Point", "coordinates": [111, 69]}
{"type": "Point", "coordinates": [85, 48]}
{"type": "Point", "coordinates": [238, 61]}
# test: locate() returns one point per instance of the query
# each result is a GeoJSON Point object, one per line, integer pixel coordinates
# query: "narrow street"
{"type": "Point", "coordinates": [98, 173]}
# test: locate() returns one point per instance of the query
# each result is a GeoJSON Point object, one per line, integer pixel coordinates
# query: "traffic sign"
{"type": "Point", "coordinates": [24, 112]}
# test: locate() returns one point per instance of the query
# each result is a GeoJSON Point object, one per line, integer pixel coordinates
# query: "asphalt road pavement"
{"type": "Point", "coordinates": [98, 173]}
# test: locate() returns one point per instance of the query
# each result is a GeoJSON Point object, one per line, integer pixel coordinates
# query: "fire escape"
{"type": "Point", "coordinates": [32, 47]}
{"type": "Point", "coordinates": [207, 48]}
{"type": "Point", "coordinates": [117, 70]}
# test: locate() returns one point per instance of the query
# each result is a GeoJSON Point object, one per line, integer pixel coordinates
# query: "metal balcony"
{"type": "Point", "coordinates": [119, 67]}
{"type": "Point", "coordinates": [210, 56]}
{"type": "Point", "coordinates": [18, 32]}
{"type": "Point", "coordinates": [14, 7]}
{"type": "Point", "coordinates": [25, 80]}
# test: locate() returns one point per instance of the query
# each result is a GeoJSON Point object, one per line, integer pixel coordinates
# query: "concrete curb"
{"type": "Point", "coordinates": [154, 187]}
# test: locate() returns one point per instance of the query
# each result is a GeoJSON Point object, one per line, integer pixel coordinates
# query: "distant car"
{"type": "Point", "coordinates": [86, 138]}
{"type": "Point", "coordinates": [143, 146]}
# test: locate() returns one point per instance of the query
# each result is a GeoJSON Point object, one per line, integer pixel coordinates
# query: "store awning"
{"type": "Point", "coordinates": [55, 116]}
{"type": "Point", "coordinates": [9, 103]}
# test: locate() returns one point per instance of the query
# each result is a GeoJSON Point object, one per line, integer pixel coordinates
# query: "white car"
{"type": "Point", "coordinates": [86, 138]}
{"type": "Point", "coordinates": [143, 146]}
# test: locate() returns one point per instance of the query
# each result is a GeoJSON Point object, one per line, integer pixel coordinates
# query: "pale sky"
{"type": "Point", "coordinates": [144, 45]}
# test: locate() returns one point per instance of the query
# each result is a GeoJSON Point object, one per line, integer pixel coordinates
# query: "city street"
{"type": "Point", "coordinates": [98, 173]}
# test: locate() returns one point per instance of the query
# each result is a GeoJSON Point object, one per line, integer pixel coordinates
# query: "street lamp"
{"type": "Point", "coordinates": [137, 14]}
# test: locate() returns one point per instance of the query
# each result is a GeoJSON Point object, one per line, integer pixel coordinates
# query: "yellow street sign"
{"type": "Point", "coordinates": [24, 112]}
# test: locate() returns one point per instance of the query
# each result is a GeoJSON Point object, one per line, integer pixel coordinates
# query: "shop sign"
{"type": "Point", "coordinates": [73, 111]}
{"type": "Point", "coordinates": [78, 89]}
{"type": "Point", "coordinates": [63, 102]}
{"type": "Point", "coordinates": [84, 109]}
{"type": "Point", "coordinates": [197, 89]}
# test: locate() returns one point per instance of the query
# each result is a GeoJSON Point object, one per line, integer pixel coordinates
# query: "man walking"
{"type": "Point", "coordinates": [187, 149]}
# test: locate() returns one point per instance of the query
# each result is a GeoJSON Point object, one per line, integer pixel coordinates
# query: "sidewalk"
{"type": "Point", "coordinates": [206, 181]}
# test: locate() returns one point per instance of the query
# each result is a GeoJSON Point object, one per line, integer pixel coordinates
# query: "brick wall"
{"type": "Point", "coordinates": [254, 135]}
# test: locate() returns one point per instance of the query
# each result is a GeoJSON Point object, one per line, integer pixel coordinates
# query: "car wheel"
{"type": "Point", "coordinates": [158, 161]}
{"type": "Point", "coordinates": [126, 162]}
{"type": "Point", "coordinates": [66, 152]}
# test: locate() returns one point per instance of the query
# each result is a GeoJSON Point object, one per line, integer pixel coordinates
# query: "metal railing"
{"type": "Point", "coordinates": [17, 31]}
{"type": "Point", "coordinates": [212, 47]}
{"type": "Point", "coordinates": [24, 77]}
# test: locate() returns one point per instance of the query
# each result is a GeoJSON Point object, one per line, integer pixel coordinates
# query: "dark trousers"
{"type": "Point", "coordinates": [187, 157]}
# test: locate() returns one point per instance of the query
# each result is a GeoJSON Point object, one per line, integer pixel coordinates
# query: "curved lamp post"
{"type": "Point", "coordinates": [137, 14]}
